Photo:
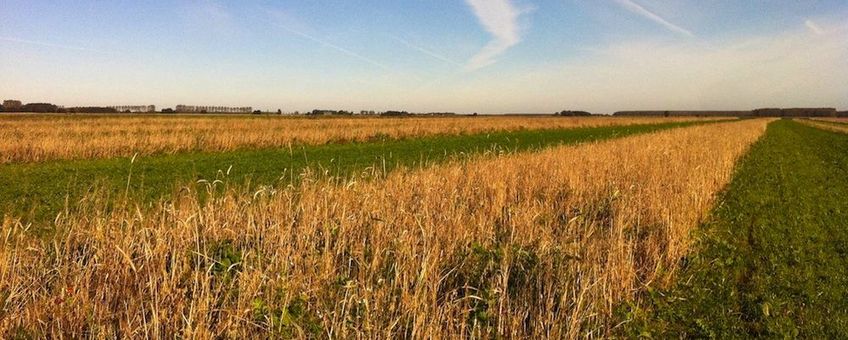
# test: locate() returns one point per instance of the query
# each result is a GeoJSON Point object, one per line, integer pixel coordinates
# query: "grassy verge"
{"type": "Point", "coordinates": [773, 261]}
{"type": "Point", "coordinates": [39, 191]}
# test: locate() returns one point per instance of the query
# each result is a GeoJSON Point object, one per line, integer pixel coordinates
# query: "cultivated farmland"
{"type": "Point", "coordinates": [514, 228]}
{"type": "Point", "coordinates": [40, 138]}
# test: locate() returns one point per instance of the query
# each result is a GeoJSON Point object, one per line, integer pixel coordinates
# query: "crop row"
{"type": "Point", "coordinates": [41, 138]}
{"type": "Point", "coordinates": [539, 244]}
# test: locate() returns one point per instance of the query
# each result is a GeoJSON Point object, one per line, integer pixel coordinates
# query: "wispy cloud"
{"type": "Point", "coordinates": [770, 69]}
{"type": "Point", "coordinates": [214, 11]}
{"type": "Point", "coordinates": [638, 9]}
{"type": "Point", "coordinates": [813, 27]}
{"type": "Point", "coordinates": [500, 19]}
{"type": "Point", "coordinates": [425, 51]}
{"type": "Point", "coordinates": [209, 16]}
{"type": "Point", "coordinates": [53, 45]}
{"type": "Point", "coordinates": [282, 18]}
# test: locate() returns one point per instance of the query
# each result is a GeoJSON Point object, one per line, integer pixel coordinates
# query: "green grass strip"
{"type": "Point", "coordinates": [39, 191]}
{"type": "Point", "coordinates": [773, 261]}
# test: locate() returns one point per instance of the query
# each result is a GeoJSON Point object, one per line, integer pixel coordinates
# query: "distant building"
{"type": "Point", "coordinates": [212, 109]}
{"type": "Point", "coordinates": [317, 112]}
{"type": "Point", "coordinates": [135, 108]}
{"type": "Point", "coordinates": [10, 105]}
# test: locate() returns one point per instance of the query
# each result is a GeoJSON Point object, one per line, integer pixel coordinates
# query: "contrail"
{"type": "Point", "coordinates": [815, 28]}
{"type": "Point", "coordinates": [638, 9]}
{"type": "Point", "coordinates": [335, 47]}
{"type": "Point", "coordinates": [46, 44]}
{"type": "Point", "coordinates": [425, 51]}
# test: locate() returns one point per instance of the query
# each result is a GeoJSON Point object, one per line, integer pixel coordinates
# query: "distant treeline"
{"type": "Point", "coordinates": [385, 113]}
{"type": "Point", "coordinates": [769, 112]}
{"type": "Point", "coordinates": [51, 108]}
{"type": "Point", "coordinates": [34, 107]}
{"type": "Point", "coordinates": [573, 113]}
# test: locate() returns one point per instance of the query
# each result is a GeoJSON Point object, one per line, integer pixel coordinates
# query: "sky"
{"type": "Point", "coordinates": [487, 56]}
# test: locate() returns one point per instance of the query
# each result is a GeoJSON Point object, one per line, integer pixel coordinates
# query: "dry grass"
{"type": "Point", "coordinates": [832, 119]}
{"type": "Point", "coordinates": [826, 124]}
{"type": "Point", "coordinates": [541, 245]}
{"type": "Point", "coordinates": [40, 138]}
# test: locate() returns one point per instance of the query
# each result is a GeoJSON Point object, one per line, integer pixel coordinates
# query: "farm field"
{"type": "Point", "coordinates": [831, 120]}
{"type": "Point", "coordinates": [41, 190]}
{"type": "Point", "coordinates": [773, 260]}
{"type": "Point", "coordinates": [834, 124]}
{"type": "Point", "coordinates": [40, 138]}
{"type": "Point", "coordinates": [466, 169]}
{"type": "Point", "coordinates": [657, 227]}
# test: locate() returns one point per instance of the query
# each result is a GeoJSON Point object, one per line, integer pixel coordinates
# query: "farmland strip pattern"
{"type": "Point", "coordinates": [40, 190]}
{"type": "Point", "coordinates": [829, 125]}
{"type": "Point", "coordinates": [525, 245]}
{"type": "Point", "coordinates": [773, 262]}
{"type": "Point", "coordinates": [44, 138]}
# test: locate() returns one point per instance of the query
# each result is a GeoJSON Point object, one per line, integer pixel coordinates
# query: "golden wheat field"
{"type": "Point", "coordinates": [525, 245]}
{"type": "Point", "coordinates": [40, 138]}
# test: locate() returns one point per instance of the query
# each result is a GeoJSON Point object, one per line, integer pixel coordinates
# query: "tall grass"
{"type": "Point", "coordinates": [841, 120]}
{"type": "Point", "coordinates": [40, 138]}
{"type": "Point", "coordinates": [829, 124]}
{"type": "Point", "coordinates": [526, 245]}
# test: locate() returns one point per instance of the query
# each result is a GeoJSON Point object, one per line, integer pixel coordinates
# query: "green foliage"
{"type": "Point", "coordinates": [226, 258]}
{"type": "Point", "coordinates": [476, 271]}
{"type": "Point", "coordinates": [772, 262]}
{"type": "Point", "coordinates": [295, 320]}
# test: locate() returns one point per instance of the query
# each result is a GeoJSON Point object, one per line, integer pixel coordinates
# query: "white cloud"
{"type": "Point", "coordinates": [785, 69]}
{"type": "Point", "coordinates": [813, 27]}
{"type": "Point", "coordinates": [638, 9]}
{"type": "Point", "coordinates": [500, 19]}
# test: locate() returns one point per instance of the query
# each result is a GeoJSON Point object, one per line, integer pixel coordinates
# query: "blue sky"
{"type": "Point", "coordinates": [490, 56]}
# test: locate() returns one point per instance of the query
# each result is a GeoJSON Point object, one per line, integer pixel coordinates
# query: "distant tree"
{"type": "Point", "coordinates": [40, 108]}
{"type": "Point", "coordinates": [475, 114]}
{"type": "Point", "coordinates": [257, 112]}
{"type": "Point", "coordinates": [168, 110]}
{"type": "Point", "coordinates": [279, 112]}
{"type": "Point", "coordinates": [574, 113]}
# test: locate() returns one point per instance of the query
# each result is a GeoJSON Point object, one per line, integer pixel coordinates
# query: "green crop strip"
{"type": "Point", "coordinates": [39, 191]}
{"type": "Point", "coordinates": [773, 260]}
